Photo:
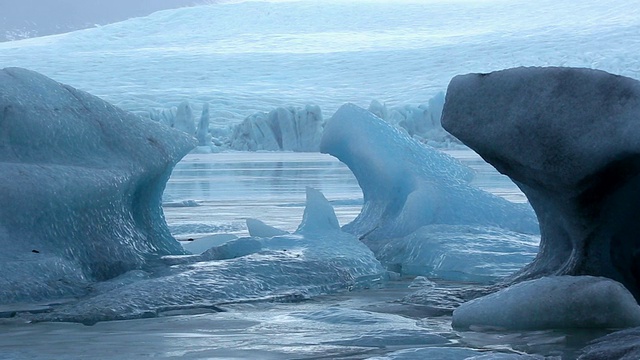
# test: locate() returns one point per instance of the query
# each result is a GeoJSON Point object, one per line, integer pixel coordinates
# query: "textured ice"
{"type": "Point", "coordinates": [407, 185]}
{"type": "Point", "coordinates": [620, 345]}
{"type": "Point", "coordinates": [552, 302]}
{"type": "Point", "coordinates": [458, 252]}
{"type": "Point", "coordinates": [258, 228]}
{"type": "Point", "coordinates": [81, 184]}
{"type": "Point", "coordinates": [202, 133]}
{"type": "Point", "coordinates": [200, 245]}
{"type": "Point", "coordinates": [319, 258]}
{"type": "Point", "coordinates": [421, 122]}
{"type": "Point", "coordinates": [569, 139]}
{"type": "Point", "coordinates": [184, 118]}
{"type": "Point", "coordinates": [259, 55]}
{"type": "Point", "coordinates": [436, 352]}
{"type": "Point", "coordinates": [289, 129]}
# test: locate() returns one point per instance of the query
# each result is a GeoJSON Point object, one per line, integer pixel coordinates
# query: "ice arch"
{"type": "Point", "coordinates": [570, 139]}
{"type": "Point", "coordinates": [407, 185]}
{"type": "Point", "coordinates": [80, 188]}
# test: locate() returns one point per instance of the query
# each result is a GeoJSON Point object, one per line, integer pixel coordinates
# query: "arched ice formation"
{"type": "Point", "coordinates": [81, 183]}
{"type": "Point", "coordinates": [570, 139]}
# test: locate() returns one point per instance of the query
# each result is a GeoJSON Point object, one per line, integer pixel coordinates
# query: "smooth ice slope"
{"type": "Point", "coordinates": [317, 259]}
{"type": "Point", "coordinates": [80, 187]}
{"type": "Point", "coordinates": [407, 185]}
{"type": "Point", "coordinates": [559, 302]}
{"type": "Point", "coordinates": [570, 140]}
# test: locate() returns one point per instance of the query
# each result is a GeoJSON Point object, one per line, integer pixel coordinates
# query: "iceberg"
{"type": "Point", "coordinates": [554, 302]}
{"type": "Point", "coordinates": [569, 138]}
{"type": "Point", "coordinates": [407, 185]}
{"type": "Point", "coordinates": [317, 259]}
{"type": "Point", "coordinates": [80, 185]}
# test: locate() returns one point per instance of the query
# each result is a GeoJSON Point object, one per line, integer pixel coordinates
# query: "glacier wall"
{"type": "Point", "coordinates": [569, 138]}
{"type": "Point", "coordinates": [80, 187]}
{"type": "Point", "coordinates": [294, 128]}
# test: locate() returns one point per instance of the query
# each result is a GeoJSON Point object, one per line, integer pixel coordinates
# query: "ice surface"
{"type": "Point", "coordinates": [421, 122]}
{"type": "Point", "coordinates": [289, 129]}
{"type": "Point", "coordinates": [442, 353]}
{"type": "Point", "coordinates": [81, 184]}
{"type": "Point", "coordinates": [580, 167]}
{"type": "Point", "coordinates": [552, 302]}
{"type": "Point", "coordinates": [260, 56]}
{"type": "Point", "coordinates": [458, 252]}
{"type": "Point", "coordinates": [621, 345]}
{"type": "Point", "coordinates": [317, 259]}
{"type": "Point", "coordinates": [202, 133]}
{"type": "Point", "coordinates": [184, 118]}
{"type": "Point", "coordinates": [258, 228]}
{"type": "Point", "coordinates": [407, 185]}
{"type": "Point", "coordinates": [200, 245]}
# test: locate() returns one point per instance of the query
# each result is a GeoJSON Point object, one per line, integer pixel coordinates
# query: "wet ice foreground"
{"type": "Point", "coordinates": [363, 323]}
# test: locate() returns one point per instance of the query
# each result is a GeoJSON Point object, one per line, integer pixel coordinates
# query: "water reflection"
{"type": "Point", "coordinates": [230, 187]}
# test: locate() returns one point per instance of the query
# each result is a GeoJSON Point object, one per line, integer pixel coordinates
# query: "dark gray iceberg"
{"type": "Point", "coordinates": [570, 139]}
{"type": "Point", "coordinates": [80, 188]}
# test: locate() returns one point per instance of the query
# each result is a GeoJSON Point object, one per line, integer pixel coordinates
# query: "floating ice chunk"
{"type": "Point", "coordinates": [407, 185]}
{"type": "Point", "coordinates": [233, 249]}
{"type": "Point", "coordinates": [319, 215]}
{"type": "Point", "coordinates": [198, 246]}
{"type": "Point", "coordinates": [458, 252]}
{"type": "Point", "coordinates": [183, 203]}
{"type": "Point", "coordinates": [552, 303]}
{"type": "Point", "coordinates": [81, 183]}
{"type": "Point", "coordinates": [570, 140]}
{"type": "Point", "coordinates": [258, 228]}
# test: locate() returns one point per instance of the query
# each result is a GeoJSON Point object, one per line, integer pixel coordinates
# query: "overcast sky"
{"type": "Point", "coordinates": [45, 17]}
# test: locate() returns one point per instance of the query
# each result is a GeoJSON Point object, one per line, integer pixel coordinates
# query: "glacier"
{"type": "Point", "coordinates": [81, 187]}
{"type": "Point", "coordinates": [296, 129]}
{"type": "Point", "coordinates": [580, 168]}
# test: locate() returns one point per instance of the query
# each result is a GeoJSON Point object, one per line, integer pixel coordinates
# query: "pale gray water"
{"type": "Point", "coordinates": [232, 186]}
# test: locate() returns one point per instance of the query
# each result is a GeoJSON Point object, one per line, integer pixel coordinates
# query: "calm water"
{"type": "Point", "coordinates": [232, 186]}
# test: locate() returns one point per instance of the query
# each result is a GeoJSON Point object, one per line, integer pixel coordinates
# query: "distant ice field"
{"type": "Point", "coordinates": [253, 56]}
